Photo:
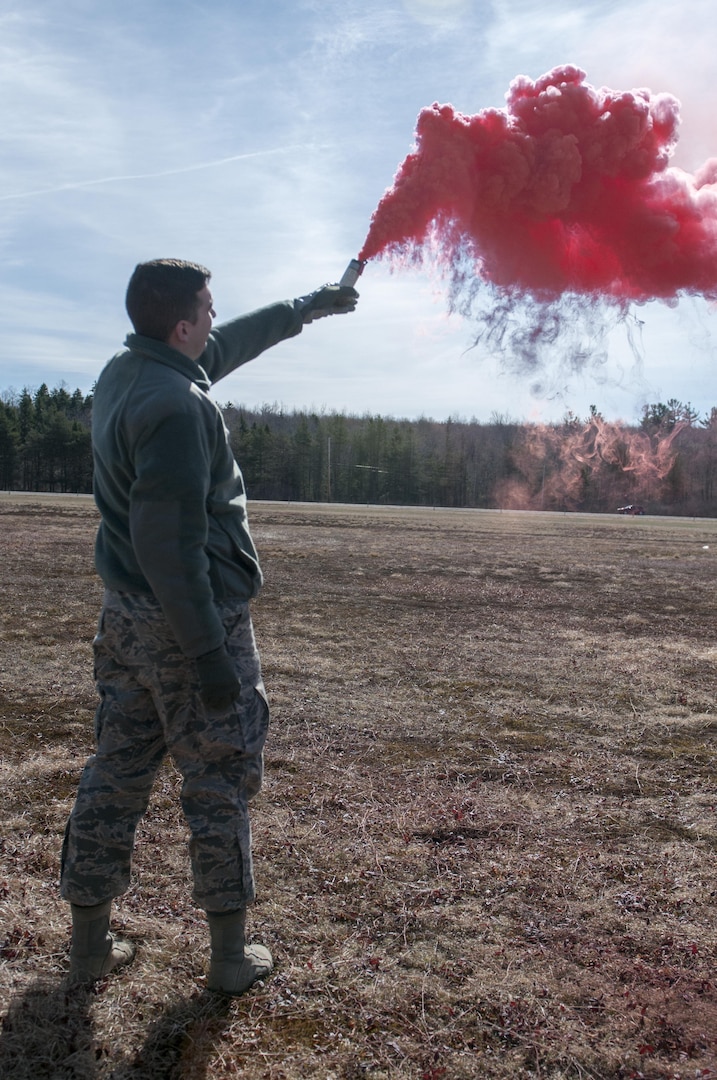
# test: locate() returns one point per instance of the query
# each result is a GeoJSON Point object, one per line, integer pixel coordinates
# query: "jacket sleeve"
{"type": "Point", "coordinates": [169, 527]}
{"type": "Point", "coordinates": [234, 343]}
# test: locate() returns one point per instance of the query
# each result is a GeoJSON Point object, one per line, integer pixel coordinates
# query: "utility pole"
{"type": "Point", "coordinates": [328, 468]}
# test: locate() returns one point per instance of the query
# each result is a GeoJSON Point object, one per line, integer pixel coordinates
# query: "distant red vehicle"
{"type": "Point", "coordinates": [634, 509]}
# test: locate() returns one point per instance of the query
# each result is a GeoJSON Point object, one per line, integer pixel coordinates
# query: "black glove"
{"type": "Point", "coordinates": [328, 300]}
{"type": "Point", "coordinates": [218, 682]}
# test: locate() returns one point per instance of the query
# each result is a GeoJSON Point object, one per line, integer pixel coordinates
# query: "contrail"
{"type": "Point", "coordinates": [148, 176]}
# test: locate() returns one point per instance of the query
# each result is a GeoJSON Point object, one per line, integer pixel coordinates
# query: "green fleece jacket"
{"type": "Point", "coordinates": [170, 494]}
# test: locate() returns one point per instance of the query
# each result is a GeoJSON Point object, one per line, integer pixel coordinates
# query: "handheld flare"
{"type": "Point", "coordinates": [353, 272]}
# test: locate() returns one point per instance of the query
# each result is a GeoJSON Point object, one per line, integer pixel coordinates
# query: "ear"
{"type": "Point", "coordinates": [179, 334]}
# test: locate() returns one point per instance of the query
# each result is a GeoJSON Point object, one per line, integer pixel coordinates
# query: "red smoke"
{"type": "Point", "coordinates": [568, 189]}
{"type": "Point", "coordinates": [566, 467]}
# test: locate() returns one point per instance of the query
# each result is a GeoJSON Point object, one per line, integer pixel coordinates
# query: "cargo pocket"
{"type": "Point", "coordinates": [255, 722]}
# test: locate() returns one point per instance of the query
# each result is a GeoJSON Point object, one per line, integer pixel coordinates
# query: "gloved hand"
{"type": "Point", "coordinates": [218, 682]}
{"type": "Point", "coordinates": [328, 300]}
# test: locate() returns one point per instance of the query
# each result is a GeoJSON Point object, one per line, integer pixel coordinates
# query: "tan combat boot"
{"type": "Point", "coordinates": [95, 951]}
{"type": "Point", "coordinates": [234, 964]}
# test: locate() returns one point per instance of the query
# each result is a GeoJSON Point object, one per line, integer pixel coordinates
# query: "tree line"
{"type": "Point", "coordinates": [667, 461]}
{"type": "Point", "coordinates": [45, 440]}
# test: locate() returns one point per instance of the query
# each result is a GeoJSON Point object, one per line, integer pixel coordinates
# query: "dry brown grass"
{"type": "Point", "coordinates": [486, 845]}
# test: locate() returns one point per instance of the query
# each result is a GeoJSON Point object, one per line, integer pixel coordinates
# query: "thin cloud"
{"type": "Point", "coordinates": [131, 177]}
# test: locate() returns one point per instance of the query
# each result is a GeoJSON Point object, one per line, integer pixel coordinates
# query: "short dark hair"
{"type": "Point", "coordinates": [163, 292]}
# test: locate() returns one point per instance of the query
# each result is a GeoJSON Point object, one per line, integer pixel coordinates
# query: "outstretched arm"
{"type": "Point", "coordinates": [234, 343]}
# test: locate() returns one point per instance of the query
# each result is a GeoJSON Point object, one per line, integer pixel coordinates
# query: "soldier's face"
{"type": "Point", "coordinates": [198, 331]}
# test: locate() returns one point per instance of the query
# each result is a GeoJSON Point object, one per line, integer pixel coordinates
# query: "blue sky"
{"type": "Point", "coordinates": [257, 139]}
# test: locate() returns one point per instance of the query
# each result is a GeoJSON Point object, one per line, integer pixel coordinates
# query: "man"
{"type": "Point", "coordinates": [176, 664]}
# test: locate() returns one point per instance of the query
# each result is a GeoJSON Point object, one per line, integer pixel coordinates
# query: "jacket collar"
{"type": "Point", "coordinates": [165, 354]}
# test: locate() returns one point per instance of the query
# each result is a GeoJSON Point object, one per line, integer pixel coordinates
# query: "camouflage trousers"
{"type": "Point", "coordinates": [150, 706]}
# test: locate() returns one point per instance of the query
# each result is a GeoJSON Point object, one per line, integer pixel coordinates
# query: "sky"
{"type": "Point", "coordinates": [257, 139]}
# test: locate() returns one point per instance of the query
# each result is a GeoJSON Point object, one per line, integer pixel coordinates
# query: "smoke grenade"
{"type": "Point", "coordinates": [353, 272]}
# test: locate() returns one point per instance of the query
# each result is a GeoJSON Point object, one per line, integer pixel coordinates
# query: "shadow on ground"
{"type": "Point", "coordinates": [48, 1033]}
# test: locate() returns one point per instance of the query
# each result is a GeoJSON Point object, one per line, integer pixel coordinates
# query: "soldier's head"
{"type": "Point", "coordinates": [169, 300]}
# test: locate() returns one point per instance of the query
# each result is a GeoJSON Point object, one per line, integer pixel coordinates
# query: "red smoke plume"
{"type": "Point", "coordinates": [567, 190]}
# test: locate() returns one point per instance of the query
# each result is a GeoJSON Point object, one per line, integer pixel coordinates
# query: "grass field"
{"type": "Point", "coordinates": [487, 843]}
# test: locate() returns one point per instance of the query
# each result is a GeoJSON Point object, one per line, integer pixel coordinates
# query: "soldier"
{"type": "Point", "coordinates": [176, 663]}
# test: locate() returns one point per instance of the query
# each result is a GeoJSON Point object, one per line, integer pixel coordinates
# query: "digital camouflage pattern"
{"type": "Point", "coordinates": [150, 706]}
